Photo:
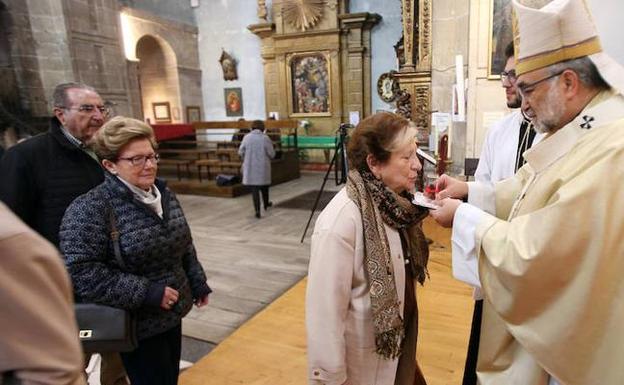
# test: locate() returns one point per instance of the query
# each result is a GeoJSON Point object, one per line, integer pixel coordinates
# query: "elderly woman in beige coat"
{"type": "Point", "coordinates": [368, 249]}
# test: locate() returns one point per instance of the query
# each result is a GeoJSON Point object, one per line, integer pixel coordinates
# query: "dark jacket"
{"type": "Point", "coordinates": [157, 253]}
{"type": "Point", "coordinates": [42, 175]}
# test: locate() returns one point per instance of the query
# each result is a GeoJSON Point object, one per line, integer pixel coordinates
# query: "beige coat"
{"type": "Point", "coordinates": [39, 334]}
{"type": "Point", "coordinates": [341, 338]}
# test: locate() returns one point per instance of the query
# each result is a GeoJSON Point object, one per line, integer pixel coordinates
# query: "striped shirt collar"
{"type": "Point", "coordinates": [73, 140]}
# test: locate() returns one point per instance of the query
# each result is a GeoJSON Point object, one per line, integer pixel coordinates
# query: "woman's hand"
{"type": "Point", "coordinates": [203, 301]}
{"type": "Point", "coordinates": [169, 299]}
{"type": "Point", "coordinates": [445, 214]}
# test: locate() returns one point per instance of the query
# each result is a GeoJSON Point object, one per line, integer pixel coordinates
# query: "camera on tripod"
{"type": "Point", "coordinates": [339, 163]}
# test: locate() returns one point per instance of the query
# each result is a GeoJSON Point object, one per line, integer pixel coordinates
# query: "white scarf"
{"type": "Point", "coordinates": [151, 198]}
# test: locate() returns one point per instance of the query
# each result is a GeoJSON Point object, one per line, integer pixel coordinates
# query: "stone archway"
{"type": "Point", "coordinates": [158, 79]}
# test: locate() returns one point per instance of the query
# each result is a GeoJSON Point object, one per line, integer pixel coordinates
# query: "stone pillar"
{"type": "Point", "coordinates": [356, 73]}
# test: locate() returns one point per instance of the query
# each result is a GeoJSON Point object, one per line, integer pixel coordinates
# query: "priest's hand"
{"type": "Point", "coordinates": [445, 214]}
{"type": "Point", "coordinates": [448, 187]}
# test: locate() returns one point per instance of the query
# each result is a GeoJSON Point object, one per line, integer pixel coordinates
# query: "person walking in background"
{"type": "Point", "coordinates": [368, 250]}
{"type": "Point", "coordinates": [39, 343]}
{"type": "Point", "coordinates": [163, 277]}
{"type": "Point", "coordinates": [257, 150]}
{"type": "Point", "coordinates": [42, 175]}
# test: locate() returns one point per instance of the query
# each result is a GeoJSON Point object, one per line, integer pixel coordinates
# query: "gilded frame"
{"type": "Point", "coordinates": [298, 104]}
{"type": "Point", "coordinates": [499, 35]}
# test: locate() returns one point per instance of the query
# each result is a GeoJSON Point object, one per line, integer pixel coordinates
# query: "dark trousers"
{"type": "Point", "coordinates": [156, 361]}
{"type": "Point", "coordinates": [470, 369]}
{"type": "Point", "coordinates": [255, 195]}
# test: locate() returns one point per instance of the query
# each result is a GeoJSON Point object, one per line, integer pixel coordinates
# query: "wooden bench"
{"type": "Point", "coordinates": [215, 166]}
{"type": "Point", "coordinates": [188, 151]}
{"type": "Point", "coordinates": [178, 163]}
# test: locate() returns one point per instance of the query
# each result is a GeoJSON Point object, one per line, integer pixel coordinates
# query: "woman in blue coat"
{"type": "Point", "coordinates": [162, 277]}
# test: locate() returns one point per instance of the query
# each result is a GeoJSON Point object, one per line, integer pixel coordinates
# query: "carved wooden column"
{"type": "Point", "coordinates": [415, 69]}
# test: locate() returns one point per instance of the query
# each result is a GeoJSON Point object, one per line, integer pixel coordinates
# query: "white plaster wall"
{"type": "Point", "coordinates": [223, 24]}
{"type": "Point", "coordinates": [608, 15]}
{"type": "Point", "coordinates": [384, 36]}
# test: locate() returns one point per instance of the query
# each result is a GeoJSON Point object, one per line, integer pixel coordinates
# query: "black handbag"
{"type": "Point", "coordinates": [105, 328]}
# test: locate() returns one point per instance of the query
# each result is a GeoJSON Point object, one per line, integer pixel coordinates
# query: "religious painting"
{"type": "Point", "coordinates": [228, 65]}
{"type": "Point", "coordinates": [309, 81]}
{"type": "Point", "coordinates": [193, 114]}
{"type": "Point", "coordinates": [162, 112]}
{"type": "Point", "coordinates": [233, 101]}
{"type": "Point", "coordinates": [501, 35]}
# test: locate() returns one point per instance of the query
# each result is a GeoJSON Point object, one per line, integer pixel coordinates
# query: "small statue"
{"type": "Point", "coordinates": [262, 10]}
{"type": "Point", "coordinates": [228, 65]}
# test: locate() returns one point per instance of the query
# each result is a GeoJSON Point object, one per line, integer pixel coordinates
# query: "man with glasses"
{"type": "Point", "coordinates": [501, 156]}
{"type": "Point", "coordinates": [42, 175]}
{"type": "Point", "coordinates": [549, 260]}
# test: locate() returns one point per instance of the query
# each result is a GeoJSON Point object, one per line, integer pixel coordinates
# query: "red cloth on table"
{"type": "Point", "coordinates": [172, 131]}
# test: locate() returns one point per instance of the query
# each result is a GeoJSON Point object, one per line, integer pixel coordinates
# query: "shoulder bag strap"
{"type": "Point", "coordinates": [114, 234]}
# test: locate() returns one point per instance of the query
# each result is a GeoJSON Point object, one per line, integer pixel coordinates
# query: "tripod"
{"type": "Point", "coordinates": [341, 168]}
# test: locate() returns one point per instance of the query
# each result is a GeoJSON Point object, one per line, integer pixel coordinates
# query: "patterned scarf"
{"type": "Point", "coordinates": [378, 205]}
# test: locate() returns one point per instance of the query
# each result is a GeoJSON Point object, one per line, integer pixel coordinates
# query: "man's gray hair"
{"type": "Point", "coordinates": [59, 97]}
{"type": "Point", "coordinates": [585, 69]}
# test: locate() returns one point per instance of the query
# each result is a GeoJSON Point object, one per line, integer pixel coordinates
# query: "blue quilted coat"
{"type": "Point", "coordinates": [157, 253]}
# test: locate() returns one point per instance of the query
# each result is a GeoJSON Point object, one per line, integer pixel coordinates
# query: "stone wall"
{"type": "Point", "coordinates": [167, 59]}
{"type": "Point", "coordinates": [175, 10]}
{"type": "Point", "coordinates": [47, 42]}
{"type": "Point", "coordinates": [96, 50]}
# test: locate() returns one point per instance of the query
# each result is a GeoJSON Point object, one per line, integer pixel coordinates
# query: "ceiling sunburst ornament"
{"type": "Point", "coordinates": [303, 14]}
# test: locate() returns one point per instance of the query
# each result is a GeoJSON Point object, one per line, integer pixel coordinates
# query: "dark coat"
{"type": "Point", "coordinates": [42, 175]}
{"type": "Point", "coordinates": [157, 253]}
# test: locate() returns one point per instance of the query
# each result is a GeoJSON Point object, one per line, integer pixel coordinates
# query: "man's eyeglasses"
{"type": "Point", "coordinates": [508, 76]}
{"type": "Point", "coordinates": [525, 90]}
{"type": "Point", "coordinates": [140, 160]}
{"type": "Point", "coordinates": [90, 108]}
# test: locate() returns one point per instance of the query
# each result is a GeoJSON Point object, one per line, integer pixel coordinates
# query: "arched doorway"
{"type": "Point", "coordinates": [158, 80]}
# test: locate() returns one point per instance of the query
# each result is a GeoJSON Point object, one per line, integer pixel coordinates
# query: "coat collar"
{"type": "Point", "coordinates": [56, 131]}
{"type": "Point", "coordinates": [117, 187]}
{"type": "Point", "coordinates": [605, 108]}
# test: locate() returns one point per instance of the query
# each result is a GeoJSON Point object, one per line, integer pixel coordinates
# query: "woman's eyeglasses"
{"type": "Point", "coordinates": [140, 160]}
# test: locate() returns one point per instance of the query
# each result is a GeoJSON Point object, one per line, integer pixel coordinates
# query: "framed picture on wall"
{"type": "Point", "coordinates": [162, 112]}
{"type": "Point", "coordinates": [500, 36]}
{"type": "Point", "coordinates": [233, 101]}
{"type": "Point", "coordinates": [193, 114]}
{"type": "Point", "coordinates": [309, 81]}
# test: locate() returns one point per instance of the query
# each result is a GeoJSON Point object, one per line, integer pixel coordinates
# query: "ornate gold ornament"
{"type": "Point", "coordinates": [302, 14]}
{"type": "Point", "coordinates": [388, 87]}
